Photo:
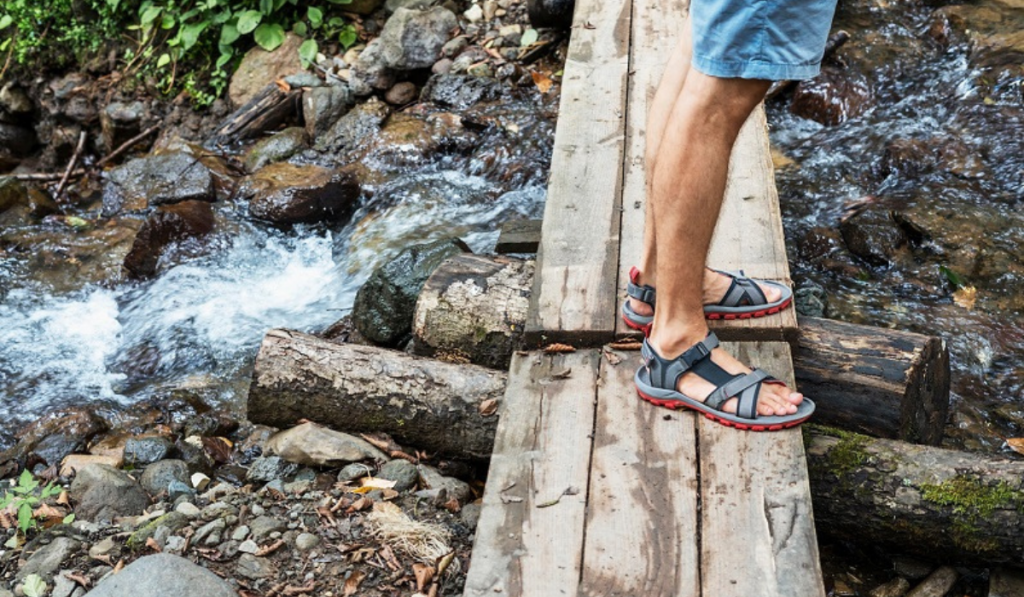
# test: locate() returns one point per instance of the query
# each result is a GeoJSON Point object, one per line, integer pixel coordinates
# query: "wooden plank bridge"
{"type": "Point", "coordinates": [591, 491]}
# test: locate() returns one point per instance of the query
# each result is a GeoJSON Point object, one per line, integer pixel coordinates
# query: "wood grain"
{"type": "Point", "coordinates": [574, 294]}
{"type": "Point", "coordinates": [641, 534]}
{"type": "Point", "coordinates": [529, 540]}
{"type": "Point", "coordinates": [757, 525]}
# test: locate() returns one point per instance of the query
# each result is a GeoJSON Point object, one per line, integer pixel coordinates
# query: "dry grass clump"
{"type": "Point", "coordinates": [424, 541]}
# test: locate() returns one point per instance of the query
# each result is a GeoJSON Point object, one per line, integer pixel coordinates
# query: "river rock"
{"type": "Point", "coordinates": [550, 13]}
{"type": "Point", "coordinates": [276, 148]}
{"type": "Point", "coordinates": [402, 472]}
{"type": "Point", "coordinates": [323, 106]}
{"type": "Point", "coordinates": [160, 575]}
{"type": "Point", "coordinates": [873, 236]}
{"type": "Point", "coordinates": [461, 91]}
{"type": "Point", "coordinates": [14, 100]}
{"type": "Point", "coordinates": [937, 584]}
{"type": "Point", "coordinates": [260, 68]}
{"type": "Point", "coordinates": [262, 526]}
{"type": "Point", "coordinates": [56, 435]}
{"type": "Point", "coordinates": [1005, 583]}
{"type": "Point", "coordinates": [255, 568]}
{"type": "Point", "coordinates": [370, 71]}
{"type": "Point", "coordinates": [12, 193]}
{"type": "Point", "coordinates": [314, 445]}
{"type": "Point", "coordinates": [159, 476]}
{"type": "Point", "coordinates": [306, 541]}
{"type": "Point", "coordinates": [104, 493]}
{"type": "Point", "coordinates": [832, 97]}
{"type": "Point", "coordinates": [146, 449]}
{"type": "Point", "coordinates": [413, 38]}
{"type": "Point", "coordinates": [351, 132]}
{"type": "Point", "coordinates": [47, 559]}
{"type": "Point", "coordinates": [431, 478]}
{"type": "Point", "coordinates": [270, 468]}
{"type": "Point", "coordinates": [353, 472]}
{"type": "Point", "coordinates": [384, 306]}
{"type": "Point", "coordinates": [120, 121]}
{"type": "Point", "coordinates": [896, 587]}
{"type": "Point", "coordinates": [171, 224]}
{"type": "Point", "coordinates": [401, 93]}
{"type": "Point", "coordinates": [290, 194]}
{"type": "Point", "coordinates": [156, 180]}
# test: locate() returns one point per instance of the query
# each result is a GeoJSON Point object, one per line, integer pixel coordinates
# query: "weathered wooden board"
{"type": "Point", "coordinates": [529, 540]}
{"type": "Point", "coordinates": [518, 236]}
{"type": "Point", "coordinates": [574, 296]}
{"type": "Point", "coordinates": [757, 525]}
{"type": "Point", "coordinates": [641, 533]}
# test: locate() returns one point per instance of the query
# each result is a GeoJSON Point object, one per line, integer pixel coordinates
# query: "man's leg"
{"type": "Point", "coordinates": [689, 181]}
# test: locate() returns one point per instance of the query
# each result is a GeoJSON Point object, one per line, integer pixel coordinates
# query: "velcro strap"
{"type": "Point", "coordinates": [700, 350]}
{"type": "Point", "coordinates": [642, 293]}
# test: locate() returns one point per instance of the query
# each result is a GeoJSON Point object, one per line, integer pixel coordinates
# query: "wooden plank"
{"type": "Point", "coordinates": [757, 526]}
{"type": "Point", "coordinates": [641, 533]}
{"type": "Point", "coordinates": [526, 544]}
{"type": "Point", "coordinates": [518, 236]}
{"type": "Point", "coordinates": [574, 291]}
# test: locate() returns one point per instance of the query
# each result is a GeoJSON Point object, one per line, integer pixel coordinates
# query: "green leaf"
{"type": "Point", "coordinates": [34, 586]}
{"type": "Point", "coordinates": [70, 518]}
{"type": "Point", "coordinates": [163, 60]}
{"type": "Point", "coordinates": [190, 34]}
{"type": "Point", "coordinates": [5, 43]}
{"type": "Point", "coordinates": [248, 20]}
{"type": "Point", "coordinates": [267, 7]}
{"type": "Point", "coordinates": [222, 17]}
{"type": "Point", "coordinates": [953, 277]}
{"type": "Point", "coordinates": [26, 480]}
{"type": "Point", "coordinates": [150, 14]}
{"type": "Point", "coordinates": [529, 37]}
{"type": "Point", "coordinates": [24, 516]}
{"type": "Point", "coordinates": [348, 36]}
{"type": "Point", "coordinates": [300, 29]}
{"type": "Point", "coordinates": [228, 34]}
{"type": "Point", "coordinates": [315, 16]}
{"type": "Point", "coordinates": [5, 22]}
{"type": "Point", "coordinates": [335, 22]}
{"type": "Point", "coordinates": [167, 21]}
{"type": "Point", "coordinates": [113, 4]}
{"type": "Point", "coordinates": [308, 50]}
{"type": "Point", "coordinates": [340, 1]}
{"type": "Point", "coordinates": [269, 37]}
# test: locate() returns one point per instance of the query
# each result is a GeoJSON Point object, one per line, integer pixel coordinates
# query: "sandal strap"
{"type": "Point", "coordinates": [747, 388]}
{"type": "Point", "coordinates": [743, 291]}
{"type": "Point", "coordinates": [665, 373]}
{"type": "Point", "coordinates": [641, 292]}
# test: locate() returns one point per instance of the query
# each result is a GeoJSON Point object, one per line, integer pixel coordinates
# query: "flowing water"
{"type": "Point", "coordinates": [935, 160]}
{"type": "Point", "coordinates": [66, 342]}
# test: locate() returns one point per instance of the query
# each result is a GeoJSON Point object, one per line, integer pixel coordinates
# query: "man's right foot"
{"type": "Point", "coordinates": [707, 379]}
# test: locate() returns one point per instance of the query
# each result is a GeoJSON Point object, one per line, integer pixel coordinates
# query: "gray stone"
{"type": "Point", "coordinates": [208, 531]}
{"type": "Point", "coordinates": [896, 587]}
{"type": "Point", "coordinates": [354, 471]}
{"type": "Point", "coordinates": [413, 38]}
{"type": "Point", "coordinates": [306, 541]}
{"type": "Point", "coordinates": [289, 194]}
{"type": "Point", "coordinates": [393, 5]}
{"type": "Point", "coordinates": [120, 122]}
{"type": "Point", "coordinates": [159, 476]}
{"type": "Point", "coordinates": [461, 91]}
{"type": "Point", "coordinates": [811, 300]}
{"type": "Point", "coordinates": [1006, 583]}
{"type": "Point", "coordinates": [166, 524]}
{"type": "Point", "coordinates": [104, 493]}
{"type": "Point", "coordinates": [175, 544]}
{"type": "Point", "coordinates": [314, 445]}
{"type": "Point", "coordinates": [454, 46]}
{"type": "Point", "coordinates": [401, 93]}
{"type": "Point", "coordinates": [937, 584]}
{"type": "Point", "coordinates": [14, 99]}
{"type": "Point", "coordinates": [383, 310]}
{"type": "Point", "coordinates": [156, 180]}
{"type": "Point", "coordinates": [240, 533]}
{"type": "Point", "coordinates": [351, 132]}
{"type": "Point", "coordinates": [430, 478]}
{"type": "Point", "coordinates": [47, 559]}
{"type": "Point", "coordinates": [263, 526]}
{"type": "Point", "coordinates": [270, 468]}
{"type": "Point", "coordinates": [254, 568]}
{"type": "Point", "coordinates": [102, 547]}
{"type": "Point", "coordinates": [187, 509]}
{"type": "Point", "coordinates": [323, 106]}
{"type": "Point", "coordinates": [470, 515]}
{"type": "Point", "coordinates": [248, 546]}
{"type": "Point", "coordinates": [402, 472]}
{"type": "Point", "coordinates": [160, 575]}
{"type": "Point", "coordinates": [63, 586]}
{"type": "Point", "coordinates": [370, 71]}
{"type": "Point", "coordinates": [275, 148]}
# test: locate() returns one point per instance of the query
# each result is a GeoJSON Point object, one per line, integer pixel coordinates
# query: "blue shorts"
{"type": "Point", "coordinates": [775, 40]}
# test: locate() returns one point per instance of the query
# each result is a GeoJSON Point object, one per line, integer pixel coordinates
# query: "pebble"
{"type": "Point", "coordinates": [174, 544]}
{"type": "Point", "coordinates": [188, 509]}
{"type": "Point", "coordinates": [306, 541]}
{"type": "Point", "coordinates": [248, 546]}
{"type": "Point", "coordinates": [351, 472]}
{"type": "Point", "coordinates": [101, 547]}
{"type": "Point", "coordinates": [209, 529]}
{"type": "Point", "coordinates": [63, 586]}
{"type": "Point", "coordinates": [240, 533]}
{"type": "Point", "coordinates": [474, 14]}
{"type": "Point", "coordinates": [402, 472]}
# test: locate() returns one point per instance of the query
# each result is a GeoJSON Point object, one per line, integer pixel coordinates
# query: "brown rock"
{"type": "Point", "coordinates": [56, 435]}
{"type": "Point", "coordinates": [289, 194]}
{"type": "Point", "coordinates": [170, 224]}
{"type": "Point", "coordinates": [260, 68]}
{"type": "Point", "coordinates": [76, 462]}
{"type": "Point", "coordinates": [315, 445]}
{"type": "Point", "coordinates": [832, 97]}
{"type": "Point", "coordinates": [401, 93]}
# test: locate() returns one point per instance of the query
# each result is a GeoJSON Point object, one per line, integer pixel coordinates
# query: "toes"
{"type": "Point", "coordinates": [771, 293]}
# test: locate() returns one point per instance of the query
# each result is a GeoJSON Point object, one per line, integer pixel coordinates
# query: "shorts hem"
{"type": "Point", "coordinates": [755, 69]}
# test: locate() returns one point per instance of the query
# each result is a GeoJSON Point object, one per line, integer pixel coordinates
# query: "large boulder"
{"type": "Point", "coordinates": [832, 97]}
{"type": "Point", "coordinates": [314, 445]}
{"type": "Point", "coordinates": [260, 68]}
{"type": "Point", "coordinates": [384, 306]}
{"type": "Point", "coordinates": [170, 224]}
{"type": "Point", "coordinates": [323, 106]}
{"type": "Point", "coordinates": [56, 435]}
{"type": "Point", "coordinates": [371, 71]}
{"type": "Point", "coordinates": [873, 235]}
{"type": "Point", "coordinates": [351, 132]}
{"type": "Point", "coordinates": [157, 180]}
{"type": "Point", "coordinates": [160, 575]}
{"type": "Point", "coordinates": [104, 493]}
{"type": "Point", "coordinates": [413, 38]}
{"type": "Point", "coordinates": [290, 194]}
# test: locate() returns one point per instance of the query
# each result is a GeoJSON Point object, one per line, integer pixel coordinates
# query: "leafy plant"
{"type": "Point", "coordinates": [23, 498]}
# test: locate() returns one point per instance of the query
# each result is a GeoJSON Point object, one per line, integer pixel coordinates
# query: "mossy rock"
{"type": "Point", "coordinates": [175, 521]}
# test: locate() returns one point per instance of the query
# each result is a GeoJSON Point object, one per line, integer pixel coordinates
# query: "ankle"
{"type": "Point", "coordinates": [673, 339]}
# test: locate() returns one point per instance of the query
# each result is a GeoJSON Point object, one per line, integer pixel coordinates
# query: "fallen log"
{"type": "Point", "coordinates": [945, 505]}
{"type": "Point", "coordinates": [440, 407]}
{"type": "Point", "coordinates": [265, 111]}
{"type": "Point", "coordinates": [882, 382]}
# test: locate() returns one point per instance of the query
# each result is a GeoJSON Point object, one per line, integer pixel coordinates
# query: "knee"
{"type": "Point", "coordinates": [727, 101]}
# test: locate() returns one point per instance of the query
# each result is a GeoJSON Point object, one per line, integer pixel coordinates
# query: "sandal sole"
{"type": "Point", "coordinates": [677, 405]}
{"type": "Point", "coordinates": [646, 329]}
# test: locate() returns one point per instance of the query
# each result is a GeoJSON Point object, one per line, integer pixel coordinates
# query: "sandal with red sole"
{"type": "Point", "coordinates": [743, 300]}
{"type": "Point", "coordinates": [656, 381]}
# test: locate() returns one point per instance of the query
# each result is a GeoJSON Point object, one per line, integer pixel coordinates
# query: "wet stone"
{"type": "Point", "coordinates": [156, 180]}
{"type": "Point", "coordinates": [402, 472]}
{"type": "Point", "coordinates": [873, 236]}
{"type": "Point", "coordinates": [140, 451]}
{"type": "Point", "coordinates": [275, 148]}
{"type": "Point", "coordinates": [350, 132]}
{"type": "Point", "coordinates": [159, 476]}
{"type": "Point", "coordinates": [461, 91]}
{"type": "Point", "coordinates": [322, 107]}
{"type": "Point", "coordinates": [832, 97]}
{"type": "Point", "coordinates": [270, 468]}
{"type": "Point", "coordinates": [120, 121]}
{"type": "Point", "coordinates": [289, 194]}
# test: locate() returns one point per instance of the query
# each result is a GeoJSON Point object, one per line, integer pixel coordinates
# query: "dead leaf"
{"type": "Point", "coordinates": [966, 296]}
{"type": "Point", "coordinates": [780, 160]}
{"type": "Point", "coordinates": [377, 483]}
{"type": "Point", "coordinates": [352, 583]}
{"type": "Point", "coordinates": [63, 499]}
{"type": "Point", "coordinates": [283, 85]}
{"type": "Point", "coordinates": [626, 344]}
{"type": "Point", "coordinates": [152, 544]}
{"type": "Point", "coordinates": [267, 549]}
{"type": "Point", "coordinates": [444, 562]}
{"type": "Point", "coordinates": [563, 374]}
{"type": "Point", "coordinates": [1016, 444]}
{"type": "Point", "coordinates": [488, 407]}
{"type": "Point", "coordinates": [558, 348]}
{"type": "Point", "coordinates": [360, 504]}
{"type": "Point", "coordinates": [452, 506]}
{"type": "Point", "coordinates": [218, 448]}
{"type": "Point", "coordinates": [612, 358]}
{"type": "Point", "coordinates": [119, 566]}
{"type": "Point", "coordinates": [390, 494]}
{"type": "Point", "coordinates": [424, 574]}
{"type": "Point", "coordinates": [542, 82]}
{"type": "Point", "coordinates": [47, 512]}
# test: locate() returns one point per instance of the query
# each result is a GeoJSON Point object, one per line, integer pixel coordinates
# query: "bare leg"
{"type": "Point", "coordinates": [694, 155]}
{"type": "Point", "coordinates": [671, 84]}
